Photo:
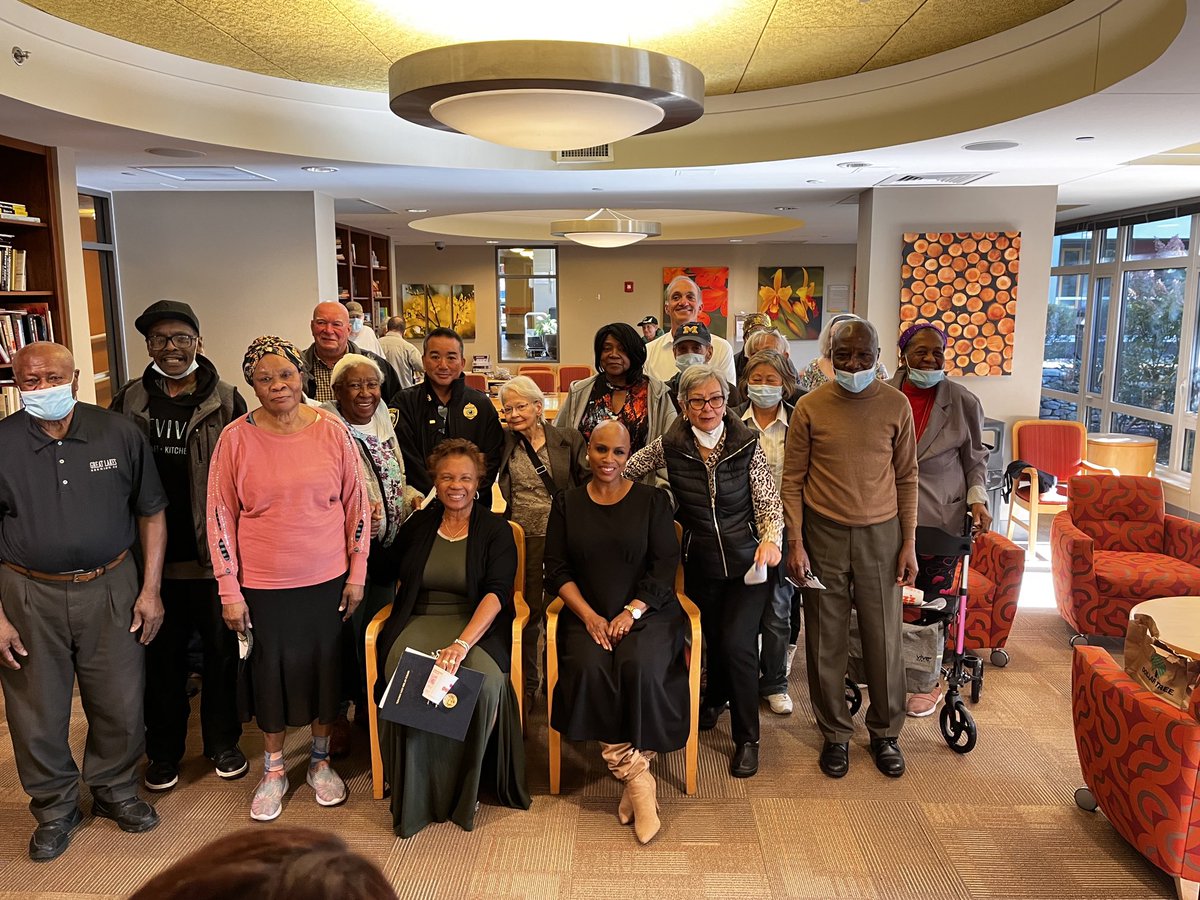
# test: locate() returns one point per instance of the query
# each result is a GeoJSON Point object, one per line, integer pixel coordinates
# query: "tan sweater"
{"type": "Point", "coordinates": [852, 458]}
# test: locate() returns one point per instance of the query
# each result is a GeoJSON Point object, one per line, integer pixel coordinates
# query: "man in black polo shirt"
{"type": "Point", "coordinates": [330, 328]}
{"type": "Point", "coordinates": [444, 407]}
{"type": "Point", "coordinates": [78, 487]}
{"type": "Point", "coordinates": [181, 405]}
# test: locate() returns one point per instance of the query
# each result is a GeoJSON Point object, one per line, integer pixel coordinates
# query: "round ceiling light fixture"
{"type": "Point", "coordinates": [605, 228]}
{"type": "Point", "coordinates": [176, 152]}
{"type": "Point", "coordinates": [319, 170]}
{"type": "Point", "coordinates": [854, 165]}
{"type": "Point", "coordinates": [990, 146]}
{"type": "Point", "coordinates": [546, 95]}
{"type": "Point", "coordinates": [417, 210]}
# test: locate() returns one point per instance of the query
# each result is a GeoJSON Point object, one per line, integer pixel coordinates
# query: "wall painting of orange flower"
{"type": "Point", "coordinates": [792, 297]}
{"type": "Point", "coordinates": [966, 282]}
{"type": "Point", "coordinates": [713, 282]}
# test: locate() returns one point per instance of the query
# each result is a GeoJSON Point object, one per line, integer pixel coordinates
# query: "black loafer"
{"type": "Point", "coordinates": [888, 758]}
{"type": "Point", "coordinates": [835, 759]}
{"type": "Point", "coordinates": [231, 763]}
{"type": "Point", "coordinates": [709, 715]}
{"type": "Point", "coordinates": [133, 815]}
{"type": "Point", "coordinates": [745, 760]}
{"type": "Point", "coordinates": [51, 838]}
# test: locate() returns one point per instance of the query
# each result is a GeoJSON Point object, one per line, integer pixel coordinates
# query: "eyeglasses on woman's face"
{"type": "Point", "coordinates": [518, 408]}
{"type": "Point", "coordinates": [698, 403]}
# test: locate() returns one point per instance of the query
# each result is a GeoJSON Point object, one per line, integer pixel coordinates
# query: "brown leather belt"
{"type": "Point", "coordinates": [74, 577]}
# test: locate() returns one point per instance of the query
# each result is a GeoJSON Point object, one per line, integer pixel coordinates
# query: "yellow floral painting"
{"type": "Point", "coordinates": [429, 306]}
{"type": "Point", "coordinates": [792, 297]}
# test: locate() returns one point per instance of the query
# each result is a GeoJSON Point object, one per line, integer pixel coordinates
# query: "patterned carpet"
{"type": "Point", "coordinates": [998, 822]}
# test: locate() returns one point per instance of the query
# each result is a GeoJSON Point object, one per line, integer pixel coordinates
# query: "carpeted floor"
{"type": "Point", "coordinates": [999, 822]}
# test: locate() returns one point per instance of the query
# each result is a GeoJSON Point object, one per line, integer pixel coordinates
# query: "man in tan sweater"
{"type": "Point", "coordinates": [850, 502]}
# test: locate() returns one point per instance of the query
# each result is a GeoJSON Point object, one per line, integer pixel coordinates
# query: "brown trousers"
{"type": "Point", "coordinates": [857, 565]}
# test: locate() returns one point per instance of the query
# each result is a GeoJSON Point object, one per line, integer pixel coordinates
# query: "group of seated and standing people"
{"type": "Point", "coordinates": [278, 522]}
{"type": "Point", "coordinates": [539, 461]}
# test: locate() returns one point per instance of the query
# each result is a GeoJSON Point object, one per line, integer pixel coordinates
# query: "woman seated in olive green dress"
{"type": "Point", "coordinates": [455, 562]}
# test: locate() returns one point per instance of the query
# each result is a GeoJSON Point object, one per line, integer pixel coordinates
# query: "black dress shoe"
{"type": "Point", "coordinates": [50, 839]}
{"type": "Point", "coordinates": [133, 815]}
{"type": "Point", "coordinates": [709, 715]}
{"type": "Point", "coordinates": [888, 758]}
{"type": "Point", "coordinates": [835, 759]}
{"type": "Point", "coordinates": [745, 760]}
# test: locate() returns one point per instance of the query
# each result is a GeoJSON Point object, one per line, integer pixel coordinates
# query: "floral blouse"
{"type": "Point", "coordinates": [635, 413]}
{"type": "Point", "coordinates": [387, 467]}
{"type": "Point", "coordinates": [813, 377]}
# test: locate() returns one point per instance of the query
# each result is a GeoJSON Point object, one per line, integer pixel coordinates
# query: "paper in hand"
{"type": "Point", "coordinates": [810, 581]}
{"type": "Point", "coordinates": [755, 574]}
{"type": "Point", "coordinates": [438, 685]}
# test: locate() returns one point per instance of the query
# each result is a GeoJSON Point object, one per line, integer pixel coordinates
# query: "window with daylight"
{"type": "Point", "coordinates": [527, 286]}
{"type": "Point", "coordinates": [1123, 334]}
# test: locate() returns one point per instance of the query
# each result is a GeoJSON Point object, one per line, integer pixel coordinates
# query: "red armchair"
{"type": "Point", "coordinates": [1115, 546]}
{"type": "Point", "coordinates": [997, 566]}
{"type": "Point", "coordinates": [1140, 758]}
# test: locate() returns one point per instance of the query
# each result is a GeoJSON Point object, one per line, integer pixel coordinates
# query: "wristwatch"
{"type": "Point", "coordinates": [634, 611]}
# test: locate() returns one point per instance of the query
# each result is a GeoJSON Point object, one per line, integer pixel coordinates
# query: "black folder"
{"type": "Point", "coordinates": [402, 701]}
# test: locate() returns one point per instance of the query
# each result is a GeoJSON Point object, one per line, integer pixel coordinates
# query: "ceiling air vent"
{"type": "Point", "coordinates": [204, 173]}
{"type": "Point", "coordinates": [597, 154]}
{"type": "Point", "coordinates": [931, 178]}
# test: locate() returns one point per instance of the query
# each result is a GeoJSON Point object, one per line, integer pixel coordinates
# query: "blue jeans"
{"type": "Point", "coordinates": [775, 630]}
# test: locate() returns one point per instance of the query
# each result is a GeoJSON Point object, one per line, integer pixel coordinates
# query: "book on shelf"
{"type": "Point", "coordinates": [13, 209]}
{"type": "Point", "coordinates": [12, 269]}
{"type": "Point", "coordinates": [8, 217]}
{"type": "Point", "coordinates": [10, 400]}
{"type": "Point", "coordinates": [21, 326]}
{"type": "Point", "coordinates": [18, 279]}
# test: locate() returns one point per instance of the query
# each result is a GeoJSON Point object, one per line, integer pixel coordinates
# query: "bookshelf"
{"type": "Point", "coordinates": [363, 271]}
{"type": "Point", "coordinates": [28, 177]}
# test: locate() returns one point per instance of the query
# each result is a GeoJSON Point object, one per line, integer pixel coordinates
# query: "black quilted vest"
{"type": "Point", "coordinates": [718, 529]}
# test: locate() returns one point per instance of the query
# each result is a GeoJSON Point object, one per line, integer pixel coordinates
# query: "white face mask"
{"type": "Point", "coordinates": [765, 396]}
{"type": "Point", "coordinates": [855, 382]}
{"type": "Point", "coordinates": [50, 404]}
{"type": "Point", "coordinates": [709, 439]}
{"type": "Point", "coordinates": [925, 378]}
{"type": "Point", "coordinates": [186, 372]}
{"type": "Point", "coordinates": [687, 360]}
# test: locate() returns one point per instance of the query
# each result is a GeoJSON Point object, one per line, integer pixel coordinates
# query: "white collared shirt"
{"type": "Point", "coordinates": [773, 439]}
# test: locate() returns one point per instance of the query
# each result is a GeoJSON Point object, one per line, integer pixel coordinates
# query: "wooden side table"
{"type": "Point", "coordinates": [1178, 621]}
{"type": "Point", "coordinates": [1129, 454]}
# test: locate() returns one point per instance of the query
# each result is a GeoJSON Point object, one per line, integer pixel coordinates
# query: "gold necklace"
{"type": "Point", "coordinates": [446, 531]}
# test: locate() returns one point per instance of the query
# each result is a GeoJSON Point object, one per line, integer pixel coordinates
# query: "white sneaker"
{"type": "Point", "coordinates": [787, 669]}
{"type": "Point", "coordinates": [781, 704]}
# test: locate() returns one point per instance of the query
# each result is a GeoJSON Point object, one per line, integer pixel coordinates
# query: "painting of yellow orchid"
{"type": "Point", "coordinates": [791, 296]}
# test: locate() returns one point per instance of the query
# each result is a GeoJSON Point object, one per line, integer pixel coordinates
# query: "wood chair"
{"type": "Point", "coordinates": [526, 368]}
{"type": "Point", "coordinates": [478, 381]}
{"type": "Point", "coordinates": [1054, 446]}
{"type": "Point", "coordinates": [544, 379]}
{"type": "Point", "coordinates": [568, 375]}
{"type": "Point", "coordinates": [520, 619]}
{"type": "Point", "coordinates": [692, 748]}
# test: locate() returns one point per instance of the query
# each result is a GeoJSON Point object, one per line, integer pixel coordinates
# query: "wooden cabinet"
{"type": "Point", "coordinates": [28, 177]}
{"type": "Point", "coordinates": [363, 271]}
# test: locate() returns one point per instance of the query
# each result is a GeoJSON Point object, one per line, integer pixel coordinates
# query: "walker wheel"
{"type": "Point", "coordinates": [853, 696]}
{"type": "Point", "coordinates": [1086, 800]}
{"type": "Point", "coordinates": [958, 728]}
{"type": "Point", "coordinates": [999, 658]}
{"type": "Point", "coordinates": [1077, 639]}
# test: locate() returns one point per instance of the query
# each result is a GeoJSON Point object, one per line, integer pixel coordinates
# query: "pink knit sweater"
{"type": "Point", "coordinates": [286, 511]}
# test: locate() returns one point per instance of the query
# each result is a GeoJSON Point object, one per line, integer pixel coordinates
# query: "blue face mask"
{"type": "Point", "coordinates": [764, 396]}
{"type": "Point", "coordinates": [49, 404]}
{"type": "Point", "coordinates": [925, 378]}
{"type": "Point", "coordinates": [855, 382]}
{"type": "Point", "coordinates": [687, 360]}
{"type": "Point", "coordinates": [356, 325]}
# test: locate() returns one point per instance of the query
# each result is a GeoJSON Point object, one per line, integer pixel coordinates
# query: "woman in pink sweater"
{"type": "Point", "coordinates": [289, 530]}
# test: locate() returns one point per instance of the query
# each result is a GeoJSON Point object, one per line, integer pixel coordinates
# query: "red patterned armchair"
{"type": "Point", "coordinates": [997, 566]}
{"type": "Point", "coordinates": [1140, 758]}
{"type": "Point", "coordinates": [1114, 547]}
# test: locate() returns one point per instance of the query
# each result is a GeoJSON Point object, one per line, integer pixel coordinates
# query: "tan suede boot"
{"type": "Point", "coordinates": [643, 795]}
{"type": "Point", "coordinates": [625, 808]}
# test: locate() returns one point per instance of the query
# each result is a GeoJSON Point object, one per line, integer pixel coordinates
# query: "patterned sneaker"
{"type": "Point", "coordinates": [268, 798]}
{"type": "Point", "coordinates": [327, 784]}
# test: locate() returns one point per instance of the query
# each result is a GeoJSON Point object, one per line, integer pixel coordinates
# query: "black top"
{"type": "Point", "coordinates": [420, 427]}
{"type": "Point", "coordinates": [72, 504]}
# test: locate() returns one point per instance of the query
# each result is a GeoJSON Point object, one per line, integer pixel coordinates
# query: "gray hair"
{"type": "Point", "coordinates": [349, 361]}
{"type": "Point", "coordinates": [694, 376]}
{"type": "Point", "coordinates": [678, 278]}
{"type": "Point", "coordinates": [858, 323]}
{"type": "Point", "coordinates": [524, 387]}
{"type": "Point", "coordinates": [764, 340]}
{"type": "Point", "coordinates": [825, 339]}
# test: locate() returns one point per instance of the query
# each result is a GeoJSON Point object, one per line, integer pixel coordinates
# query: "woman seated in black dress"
{"type": "Point", "coordinates": [611, 555]}
{"type": "Point", "coordinates": [455, 562]}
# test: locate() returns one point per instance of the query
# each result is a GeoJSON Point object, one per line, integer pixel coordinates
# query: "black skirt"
{"type": "Point", "coordinates": [295, 668]}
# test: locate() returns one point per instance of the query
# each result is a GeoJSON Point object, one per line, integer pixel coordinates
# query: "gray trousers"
{"type": "Point", "coordinates": [533, 644]}
{"type": "Point", "coordinates": [857, 565]}
{"type": "Point", "coordinates": [74, 631]}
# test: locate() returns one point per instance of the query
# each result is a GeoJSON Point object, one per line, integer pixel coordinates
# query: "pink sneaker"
{"type": "Point", "coordinates": [327, 784]}
{"type": "Point", "coordinates": [268, 797]}
{"type": "Point", "coordinates": [921, 705]}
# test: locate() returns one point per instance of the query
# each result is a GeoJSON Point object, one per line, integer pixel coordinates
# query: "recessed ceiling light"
{"type": "Point", "coordinates": [815, 181]}
{"type": "Point", "coordinates": [735, 240]}
{"type": "Point", "coordinates": [176, 152]}
{"type": "Point", "coordinates": [418, 210]}
{"type": "Point", "coordinates": [319, 170]}
{"type": "Point", "coordinates": [491, 242]}
{"type": "Point", "coordinates": [854, 165]}
{"type": "Point", "coordinates": [597, 189]}
{"type": "Point", "coordinates": [1085, 137]}
{"type": "Point", "coordinates": [989, 146]}
{"type": "Point", "coordinates": [785, 208]}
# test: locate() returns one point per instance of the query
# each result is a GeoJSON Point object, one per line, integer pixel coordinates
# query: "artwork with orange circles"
{"type": "Point", "coordinates": [966, 282]}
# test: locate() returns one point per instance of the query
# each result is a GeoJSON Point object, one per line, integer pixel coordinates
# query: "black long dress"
{"type": "Point", "coordinates": [638, 693]}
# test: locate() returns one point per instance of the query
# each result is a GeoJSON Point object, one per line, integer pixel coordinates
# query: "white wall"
{"type": "Point", "coordinates": [591, 283]}
{"type": "Point", "coordinates": [246, 262]}
{"type": "Point", "coordinates": [886, 213]}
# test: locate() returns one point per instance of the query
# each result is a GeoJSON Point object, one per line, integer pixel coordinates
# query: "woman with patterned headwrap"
{"type": "Point", "coordinates": [289, 529]}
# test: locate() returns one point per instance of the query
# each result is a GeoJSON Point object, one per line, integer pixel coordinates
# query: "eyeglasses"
{"type": "Point", "coordinates": [518, 408]}
{"type": "Point", "coordinates": [178, 341]}
{"type": "Point", "coordinates": [361, 385]}
{"type": "Point", "coordinates": [698, 403]}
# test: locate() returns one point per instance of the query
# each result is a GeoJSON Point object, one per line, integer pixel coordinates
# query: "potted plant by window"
{"type": "Point", "coordinates": [548, 329]}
